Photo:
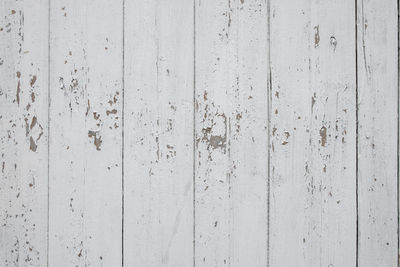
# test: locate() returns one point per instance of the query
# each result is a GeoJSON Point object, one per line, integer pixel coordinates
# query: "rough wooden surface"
{"type": "Point", "coordinates": [158, 133]}
{"type": "Point", "coordinates": [23, 132]}
{"type": "Point", "coordinates": [199, 133]}
{"type": "Point", "coordinates": [85, 160]}
{"type": "Point", "coordinates": [377, 69]}
{"type": "Point", "coordinates": [231, 124]}
{"type": "Point", "coordinates": [313, 134]}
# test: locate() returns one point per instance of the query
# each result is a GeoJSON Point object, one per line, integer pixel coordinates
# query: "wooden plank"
{"type": "Point", "coordinates": [313, 133]}
{"type": "Point", "coordinates": [231, 158]}
{"type": "Point", "coordinates": [23, 132]}
{"type": "Point", "coordinates": [85, 225]}
{"type": "Point", "coordinates": [158, 133]}
{"type": "Point", "coordinates": [243, 142]}
{"type": "Point", "coordinates": [377, 53]}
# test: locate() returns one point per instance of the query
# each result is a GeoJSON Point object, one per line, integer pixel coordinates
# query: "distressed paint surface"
{"type": "Point", "coordinates": [199, 133]}
{"type": "Point", "coordinates": [158, 133]}
{"type": "Point", "coordinates": [377, 71]}
{"type": "Point", "coordinates": [23, 133]}
{"type": "Point", "coordinates": [313, 128]}
{"type": "Point", "coordinates": [85, 214]}
{"type": "Point", "coordinates": [231, 121]}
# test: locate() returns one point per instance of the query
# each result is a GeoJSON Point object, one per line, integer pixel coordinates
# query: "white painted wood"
{"type": "Point", "coordinates": [231, 155]}
{"type": "Point", "coordinates": [377, 52]}
{"type": "Point", "coordinates": [85, 224]}
{"type": "Point", "coordinates": [313, 133]}
{"type": "Point", "coordinates": [23, 132]}
{"type": "Point", "coordinates": [158, 133]}
{"type": "Point", "coordinates": [199, 133]}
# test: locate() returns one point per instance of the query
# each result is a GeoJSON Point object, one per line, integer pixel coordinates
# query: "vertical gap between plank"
{"type": "Point", "coordinates": [123, 136]}
{"type": "Point", "coordinates": [269, 100]}
{"type": "Point", "coordinates": [398, 132]}
{"type": "Point", "coordinates": [48, 134]}
{"type": "Point", "coordinates": [356, 66]}
{"type": "Point", "coordinates": [194, 133]}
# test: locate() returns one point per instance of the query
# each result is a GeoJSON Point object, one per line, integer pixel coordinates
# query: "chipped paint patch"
{"type": "Point", "coordinates": [96, 139]}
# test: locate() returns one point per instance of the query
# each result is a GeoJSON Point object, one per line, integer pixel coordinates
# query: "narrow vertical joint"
{"type": "Point", "coordinates": [398, 133]}
{"type": "Point", "coordinates": [194, 133]}
{"type": "Point", "coordinates": [123, 135]}
{"type": "Point", "coordinates": [269, 91]}
{"type": "Point", "coordinates": [48, 134]}
{"type": "Point", "coordinates": [356, 152]}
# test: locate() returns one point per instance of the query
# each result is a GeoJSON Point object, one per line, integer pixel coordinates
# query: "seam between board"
{"type": "Point", "coordinates": [269, 99]}
{"type": "Point", "coordinates": [123, 137]}
{"type": "Point", "coordinates": [357, 141]}
{"type": "Point", "coordinates": [194, 133]}
{"type": "Point", "coordinates": [48, 134]}
{"type": "Point", "coordinates": [398, 132]}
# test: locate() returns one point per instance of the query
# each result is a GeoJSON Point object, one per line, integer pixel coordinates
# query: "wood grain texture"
{"type": "Point", "coordinates": [199, 133]}
{"type": "Point", "coordinates": [313, 128]}
{"type": "Point", "coordinates": [377, 47]}
{"type": "Point", "coordinates": [158, 133]}
{"type": "Point", "coordinates": [85, 224]}
{"type": "Point", "coordinates": [23, 132]}
{"type": "Point", "coordinates": [231, 113]}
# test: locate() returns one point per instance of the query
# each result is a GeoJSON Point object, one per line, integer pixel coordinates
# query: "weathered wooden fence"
{"type": "Point", "coordinates": [199, 133]}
